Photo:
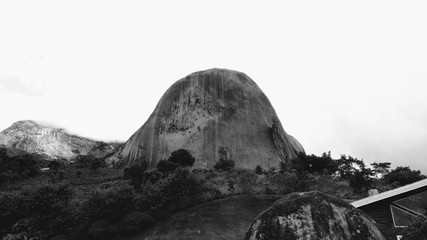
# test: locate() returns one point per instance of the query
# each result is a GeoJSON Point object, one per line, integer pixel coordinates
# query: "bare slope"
{"type": "Point", "coordinates": [214, 114]}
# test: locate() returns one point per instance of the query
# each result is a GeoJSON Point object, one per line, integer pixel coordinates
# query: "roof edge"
{"type": "Point", "coordinates": [390, 193]}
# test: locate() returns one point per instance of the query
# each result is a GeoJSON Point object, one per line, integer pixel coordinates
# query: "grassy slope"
{"type": "Point", "coordinates": [227, 218]}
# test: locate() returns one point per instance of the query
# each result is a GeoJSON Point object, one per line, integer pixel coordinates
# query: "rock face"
{"type": "Point", "coordinates": [56, 143]}
{"type": "Point", "coordinates": [213, 114]}
{"type": "Point", "coordinates": [313, 215]}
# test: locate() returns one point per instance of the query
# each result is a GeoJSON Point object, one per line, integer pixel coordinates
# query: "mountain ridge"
{"type": "Point", "coordinates": [47, 139]}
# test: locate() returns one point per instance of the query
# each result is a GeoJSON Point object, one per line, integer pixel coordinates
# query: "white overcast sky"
{"type": "Point", "coordinates": [344, 76]}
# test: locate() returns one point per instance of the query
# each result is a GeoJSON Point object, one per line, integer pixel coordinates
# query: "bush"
{"type": "Point", "coordinates": [101, 229]}
{"type": "Point", "coordinates": [166, 166]}
{"type": "Point", "coordinates": [247, 181]}
{"type": "Point", "coordinates": [39, 208]}
{"type": "Point", "coordinates": [96, 164]}
{"type": "Point", "coordinates": [258, 170]}
{"type": "Point", "coordinates": [416, 231]}
{"type": "Point", "coordinates": [136, 174]}
{"type": "Point", "coordinates": [110, 203]}
{"type": "Point", "coordinates": [54, 165]}
{"type": "Point", "coordinates": [152, 176]}
{"type": "Point", "coordinates": [224, 164]}
{"type": "Point", "coordinates": [182, 158]}
{"type": "Point", "coordinates": [23, 165]}
{"type": "Point", "coordinates": [284, 183]}
{"type": "Point", "coordinates": [4, 178]}
{"type": "Point", "coordinates": [166, 192]}
{"type": "Point", "coordinates": [135, 221]}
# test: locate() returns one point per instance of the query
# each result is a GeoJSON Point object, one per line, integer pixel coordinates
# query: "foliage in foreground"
{"type": "Point", "coordinates": [113, 207]}
{"type": "Point", "coordinates": [416, 231]}
{"type": "Point", "coordinates": [45, 207]}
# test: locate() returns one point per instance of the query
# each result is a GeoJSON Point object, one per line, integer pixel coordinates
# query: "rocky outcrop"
{"type": "Point", "coordinates": [56, 143]}
{"type": "Point", "coordinates": [313, 215]}
{"type": "Point", "coordinates": [213, 114]}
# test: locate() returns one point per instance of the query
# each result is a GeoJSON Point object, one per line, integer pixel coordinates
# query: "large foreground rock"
{"type": "Point", "coordinates": [313, 215]}
{"type": "Point", "coordinates": [214, 114]}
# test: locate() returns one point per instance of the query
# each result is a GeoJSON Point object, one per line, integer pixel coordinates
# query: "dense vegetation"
{"type": "Point", "coordinates": [87, 200]}
{"type": "Point", "coordinates": [418, 230]}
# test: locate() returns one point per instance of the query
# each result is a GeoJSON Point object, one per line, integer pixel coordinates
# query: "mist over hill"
{"type": "Point", "coordinates": [51, 141]}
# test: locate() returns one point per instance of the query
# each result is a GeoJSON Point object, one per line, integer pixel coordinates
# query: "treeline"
{"type": "Point", "coordinates": [60, 210]}
{"type": "Point", "coordinates": [18, 166]}
{"type": "Point", "coordinates": [359, 176]}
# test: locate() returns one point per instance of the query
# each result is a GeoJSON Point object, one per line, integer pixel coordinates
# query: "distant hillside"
{"type": "Point", "coordinates": [53, 142]}
{"type": "Point", "coordinates": [228, 218]}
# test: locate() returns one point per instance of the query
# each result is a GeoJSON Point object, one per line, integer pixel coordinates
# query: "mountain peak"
{"type": "Point", "coordinates": [30, 125]}
{"type": "Point", "coordinates": [215, 113]}
{"type": "Point", "coordinates": [45, 138]}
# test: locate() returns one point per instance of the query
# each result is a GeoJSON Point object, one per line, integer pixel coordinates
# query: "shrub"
{"type": "Point", "coordinates": [39, 208]}
{"type": "Point", "coordinates": [110, 203]}
{"type": "Point", "coordinates": [285, 183]}
{"type": "Point", "coordinates": [96, 164]}
{"type": "Point", "coordinates": [416, 231]}
{"type": "Point", "coordinates": [166, 192]}
{"type": "Point", "coordinates": [247, 181]}
{"type": "Point", "coordinates": [166, 166]}
{"type": "Point", "coordinates": [152, 176]}
{"type": "Point", "coordinates": [182, 158]}
{"type": "Point", "coordinates": [224, 164]}
{"type": "Point", "coordinates": [54, 165]}
{"type": "Point", "coordinates": [231, 183]}
{"type": "Point", "coordinates": [21, 164]}
{"type": "Point", "coordinates": [258, 170]}
{"type": "Point", "coordinates": [101, 229]}
{"type": "Point", "coordinates": [135, 221]}
{"type": "Point", "coordinates": [4, 178]}
{"type": "Point", "coordinates": [136, 174]}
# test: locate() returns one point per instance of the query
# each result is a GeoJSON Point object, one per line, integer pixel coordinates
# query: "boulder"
{"type": "Point", "coordinates": [214, 114]}
{"type": "Point", "coordinates": [313, 215]}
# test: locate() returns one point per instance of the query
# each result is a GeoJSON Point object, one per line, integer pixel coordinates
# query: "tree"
{"type": "Point", "coordinates": [314, 164]}
{"type": "Point", "coordinates": [356, 172]}
{"type": "Point", "coordinates": [403, 175]}
{"type": "Point", "coordinates": [380, 169]}
{"type": "Point", "coordinates": [182, 157]}
{"type": "Point", "coordinates": [361, 180]}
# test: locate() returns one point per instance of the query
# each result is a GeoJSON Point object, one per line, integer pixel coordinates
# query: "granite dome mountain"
{"type": "Point", "coordinates": [46, 139]}
{"type": "Point", "coordinates": [216, 113]}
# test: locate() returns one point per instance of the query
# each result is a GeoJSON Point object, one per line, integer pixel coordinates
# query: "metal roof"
{"type": "Point", "coordinates": [388, 194]}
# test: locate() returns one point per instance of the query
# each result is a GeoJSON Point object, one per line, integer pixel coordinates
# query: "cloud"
{"type": "Point", "coordinates": [16, 85]}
